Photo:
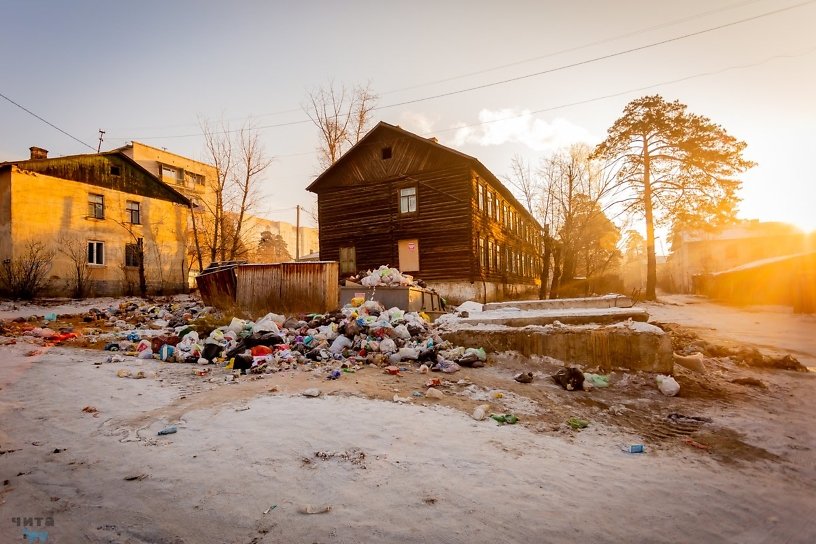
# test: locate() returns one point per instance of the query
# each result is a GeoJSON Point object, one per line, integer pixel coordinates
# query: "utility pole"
{"type": "Point", "coordinates": [297, 233]}
{"type": "Point", "coordinates": [101, 133]}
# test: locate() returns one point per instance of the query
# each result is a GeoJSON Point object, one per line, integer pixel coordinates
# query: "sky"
{"type": "Point", "coordinates": [149, 70]}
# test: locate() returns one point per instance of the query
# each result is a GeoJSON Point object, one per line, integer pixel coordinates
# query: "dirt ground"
{"type": "Point", "coordinates": [731, 459]}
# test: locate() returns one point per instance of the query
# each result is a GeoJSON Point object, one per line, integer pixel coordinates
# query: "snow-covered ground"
{"type": "Point", "coordinates": [249, 458]}
{"type": "Point", "coordinates": [769, 328]}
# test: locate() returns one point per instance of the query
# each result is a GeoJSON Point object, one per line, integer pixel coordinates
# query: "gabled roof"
{"type": "Point", "coordinates": [477, 165]}
{"type": "Point", "coordinates": [171, 193]}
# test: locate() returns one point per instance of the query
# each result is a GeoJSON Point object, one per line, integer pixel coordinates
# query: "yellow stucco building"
{"type": "Point", "coordinates": [95, 210]}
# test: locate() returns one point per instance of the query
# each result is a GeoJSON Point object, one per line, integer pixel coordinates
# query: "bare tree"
{"type": "Point", "coordinates": [240, 161]}
{"type": "Point", "coordinates": [524, 181]}
{"type": "Point", "coordinates": [576, 192]}
{"type": "Point", "coordinates": [341, 115]}
{"type": "Point", "coordinates": [76, 249]}
{"type": "Point", "coordinates": [25, 276]}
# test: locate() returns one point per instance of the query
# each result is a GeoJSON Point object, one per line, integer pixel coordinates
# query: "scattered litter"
{"type": "Point", "coordinates": [667, 385]}
{"type": "Point", "coordinates": [123, 373]}
{"type": "Point", "coordinates": [135, 477]}
{"type": "Point", "coordinates": [695, 444]}
{"type": "Point", "coordinates": [311, 509]}
{"type": "Point", "coordinates": [503, 419]}
{"type": "Point", "coordinates": [524, 377]}
{"type": "Point", "coordinates": [570, 378]}
{"type": "Point", "coordinates": [168, 430]}
{"type": "Point", "coordinates": [692, 362]}
{"type": "Point", "coordinates": [480, 412]}
{"type": "Point", "coordinates": [270, 509]}
{"type": "Point", "coordinates": [577, 423]}
{"type": "Point", "coordinates": [433, 393]}
{"type": "Point", "coordinates": [90, 410]}
{"type": "Point", "coordinates": [242, 409]}
{"type": "Point", "coordinates": [633, 448]}
{"type": "Point", "coordinates": [595, 380]}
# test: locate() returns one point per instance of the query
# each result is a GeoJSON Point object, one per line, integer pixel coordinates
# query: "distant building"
{"type": "Point", "coordinates": [696, 252]}
{"type": "Point", "coordinates": [400, 199]}
{"type": "Point", "coordinates": [194, 179]}
{"type": "Point", "coordinates": [255, 228]}
{"type": "Point", "coordinates": [102, 206]}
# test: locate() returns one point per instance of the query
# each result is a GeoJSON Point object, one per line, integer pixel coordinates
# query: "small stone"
{"type": "Point", "coordinates": [312, 392]}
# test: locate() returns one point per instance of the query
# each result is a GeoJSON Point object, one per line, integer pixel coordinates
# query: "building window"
{"type": "Point", "coordinates": [482, 260]}
{"type": "Point", "coordinates": [408, 201]}
{"type": "Point", "coordinates": [491, 260]}
{"type": "Point", "coordinates": [173, 174]}
{"type": "Point", "coordinates": [96, 252]}
{"type": "Point", "coordinates": [480, 198]}
{"type": "Point", "coordinates": [114, 170]}
{"type": "Point", "coordinates": [386, 153]}
{"type": "Point", "coordinates": [495, 207]}
{"type": "Point", "coordinates": [498, 258]}
{"type": "Point", "coordinates": [96, 206]}
{"type": "Point", "coordinates": [348, 260]}
{"type": "Point", "coordinates": [489, 197]}
{"type": "Point", "coordinates": [132, 253]}
{"type": "Point", "coordinates": [193, 178]}
{"type": "Point", "coordinates": [132, 213]}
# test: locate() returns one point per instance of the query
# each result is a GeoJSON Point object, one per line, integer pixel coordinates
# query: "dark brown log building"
{"type": "Point", "coordinates": [400, 199]}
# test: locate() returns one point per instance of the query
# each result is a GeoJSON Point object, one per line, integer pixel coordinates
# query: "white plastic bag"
{"type": "Point", "coordinates": [667, 385]}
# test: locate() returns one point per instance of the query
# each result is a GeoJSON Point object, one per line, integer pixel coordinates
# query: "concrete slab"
{"type": "Point", "coordinates": [612, 347]}
{"type": "Point", "coordinates": [571, 316]}
{"type": "Point", "coordinates": [606, 301]}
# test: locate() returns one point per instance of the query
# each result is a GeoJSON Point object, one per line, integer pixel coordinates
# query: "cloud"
{"type": "Point", "coordinates": [519, 126]}
{"type": "Point", "coordinates": [417, 123]}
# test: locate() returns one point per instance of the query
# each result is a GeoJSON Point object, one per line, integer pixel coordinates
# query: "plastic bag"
{"type": "Point", "coordinates": [340, 343]}
{"type": "Point", "coordinates": [388, 346]}
{"type": "Point", "coordinates": [667, 385]}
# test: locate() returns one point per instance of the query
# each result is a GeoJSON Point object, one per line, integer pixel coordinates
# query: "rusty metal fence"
{"type": "Point", "coordinates": [288, 288]}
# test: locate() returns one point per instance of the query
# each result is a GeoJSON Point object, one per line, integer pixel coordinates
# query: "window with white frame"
{"type": "Point", "coordinates": [408, 200]}
{"type": "Point", "coordinates": [96, 252]}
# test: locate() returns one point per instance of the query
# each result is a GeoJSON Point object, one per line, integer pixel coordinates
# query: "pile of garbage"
{"type": "Point", "coordinates": [386, 277]}
{"type": "Point", "coordinates": [361, 333]}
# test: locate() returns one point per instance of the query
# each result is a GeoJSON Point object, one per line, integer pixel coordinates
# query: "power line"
{"type": "Point", "coordinates": [525, 76]}
{"type": "Point", "coordinates": [508, 65]}
{"type": "Point", "coordinates": [575, 48]}
{"type": "Point", "coordinates": [596, 59]}
{"type": "Point", "coordinates": [47, 122]}
{"type": "Point", "coordinates": [628, 91]}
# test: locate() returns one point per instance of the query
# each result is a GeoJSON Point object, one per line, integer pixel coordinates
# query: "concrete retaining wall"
{"type": "Point", "coordinates": [606, 301]}
{"type": "Point", "coordinates": [606, 348]}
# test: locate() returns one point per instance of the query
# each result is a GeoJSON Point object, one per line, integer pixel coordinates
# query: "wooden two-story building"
{"type": "Point", "coordinates": [400, 199]}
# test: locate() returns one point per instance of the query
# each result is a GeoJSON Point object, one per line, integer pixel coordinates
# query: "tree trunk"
{"type": "Point", "coordinates": [197, 244]}
{"type": "Point", "coordinates": [651, 260]}
{"type": "Point", "coordinates": [556, 279]}
{"type": "Point", "coordinates": [545, 267]}
{"type": "Point", "coordinates": [142, 278]}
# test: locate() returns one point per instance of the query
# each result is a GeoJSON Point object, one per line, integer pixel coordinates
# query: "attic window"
{"type": "Point", "coordinates": [115, 171]}
{"type": "Point", "coordinates": [386, 153]}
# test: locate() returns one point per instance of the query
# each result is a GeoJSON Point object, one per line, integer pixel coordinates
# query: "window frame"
{"type": "Point", "coordinates": [96, 245]}
{"type": "Point", "coordinates": [408, 199]}
{"type": "Point", "coordinates": [129, 249]}
{"type": "Point", "coordinates": [129, 212]}
{"type": "Point", "coordinates": [96, 210]}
